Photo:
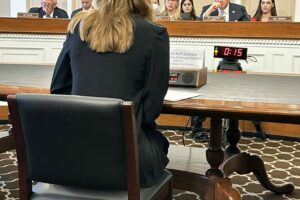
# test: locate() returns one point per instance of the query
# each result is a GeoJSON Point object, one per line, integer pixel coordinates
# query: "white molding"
{"type": "Point", "coordinates": [16, 36]}
{"type": "Point", "coordinates": [234, 41]}
{"type": "Point", "coordinates": [273, 55]}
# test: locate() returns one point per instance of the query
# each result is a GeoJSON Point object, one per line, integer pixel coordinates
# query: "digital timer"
{"type": "Point", "coordinates": [230, 52]}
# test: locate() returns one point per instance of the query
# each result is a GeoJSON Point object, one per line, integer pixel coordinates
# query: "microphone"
{"type": "Point", "coordinates": [185, 16]}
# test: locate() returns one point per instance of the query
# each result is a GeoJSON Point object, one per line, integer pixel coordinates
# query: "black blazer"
{"type": "Point", "coordinates": [57, 13]}
{"type": "Point", "coordinates": [140, 75]}
{"type": "Point", "coordinates": [74, 12]}
{"type": "Point", "coordinates": [236, 12]}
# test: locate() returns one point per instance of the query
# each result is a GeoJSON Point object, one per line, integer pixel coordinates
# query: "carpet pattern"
{"type": "Point", "coordinates": [282, 161]}
{"type": "Point", "coordinates": [281, 158]}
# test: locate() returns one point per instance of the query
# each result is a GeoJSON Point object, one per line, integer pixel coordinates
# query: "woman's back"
{"type": "Point", "coordinates": [140, 74]}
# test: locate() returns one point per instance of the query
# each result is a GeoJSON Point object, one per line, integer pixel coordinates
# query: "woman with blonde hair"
{"type": "Point", "coordinates": [118, 52]}
{"type": "Point", "coordinates": [172, 9]}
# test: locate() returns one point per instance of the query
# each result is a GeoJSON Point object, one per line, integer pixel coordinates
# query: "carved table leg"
{"type": "Point", "coordinates": [233, 134]}
{"type": "Point", "coordinates": [222, 187]}
{"type": "Point", "coordinates": [215, 153]}
{"type": "Point", "coordinates": [244, 163]}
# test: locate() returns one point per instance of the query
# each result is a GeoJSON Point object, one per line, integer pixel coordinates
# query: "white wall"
{"type": "Point", "coordinates": [5, 8]}
{"type": "Point", "coordinates": [17, 6]}
{"type": "Point", "coordinates": [274, 56]}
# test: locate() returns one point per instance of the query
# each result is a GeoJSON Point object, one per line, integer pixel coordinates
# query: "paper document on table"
{"type": "Point", "coordinates": [175, 95]}
{"type": "Point", "coordinates": [3, 103]}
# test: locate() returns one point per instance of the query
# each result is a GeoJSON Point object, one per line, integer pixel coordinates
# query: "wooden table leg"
{"type": "Point", "coordinates": [215, 152]}
{"type": "Point", "coordinates": [233, 134]}
{"type": "Point", "coordinates": [244, 163]}
{"type": "Point", "coordinates": [222, 187]}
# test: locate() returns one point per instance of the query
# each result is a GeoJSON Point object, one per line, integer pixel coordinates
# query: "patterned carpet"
{"type": "Point", "coordinates": [282, 160]}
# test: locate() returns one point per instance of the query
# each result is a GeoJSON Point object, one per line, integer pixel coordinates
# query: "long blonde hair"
{"type": "Point", "coordinates": [110, 27]}
{"type": "Point", "coordinates": [176, 15]}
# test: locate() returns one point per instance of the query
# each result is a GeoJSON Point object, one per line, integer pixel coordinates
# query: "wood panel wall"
{"type": "Point", "coordinates": [288, 130]}
{"type": "Point", "coordinates": [175, 28]}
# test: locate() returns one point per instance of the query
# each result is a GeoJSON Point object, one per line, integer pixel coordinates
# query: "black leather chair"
{"type": "Point", "coordinates": [76, 147]}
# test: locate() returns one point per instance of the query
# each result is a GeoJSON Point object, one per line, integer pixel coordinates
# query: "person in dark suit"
{"type": "Point", "coordinates": [231, 11]}
{"type": "Point", "coordinates": [117, 51]}
{"type": "Point", "coordinates": [86, 5]}
{"type": "Point", "coordinates": [49, 10]}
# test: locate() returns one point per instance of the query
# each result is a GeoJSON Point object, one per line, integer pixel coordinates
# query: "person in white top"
{"type": "Point", "coordinates": [86, 5]}
{"type": "Point", "coordinates": [231, 11]}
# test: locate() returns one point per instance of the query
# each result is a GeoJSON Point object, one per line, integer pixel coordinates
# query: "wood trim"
{"type": "Point", "coordinates": [268, 112]}
{"type": "Point", "coordinates": [233, 29]}
{"type": "Point", "coordinates": [37, 26]}
{"type": "Point", "coordinates": [3, 112]}
{"type": "Point", "coordinates": [131, 147]}
{"type": "Point", "coordinates": [11, 89]}
{"type": "Point", "coordinates": [175, 28]}
{"type": "Point", "coordinates": [25, 186]}
{"type": "Point", "coordinates": [289, 130]}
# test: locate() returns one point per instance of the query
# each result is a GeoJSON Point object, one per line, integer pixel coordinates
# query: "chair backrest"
{"type": "Point", "coordinates": [88, 142]}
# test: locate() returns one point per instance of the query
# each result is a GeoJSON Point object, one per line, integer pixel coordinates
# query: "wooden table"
{"type": "Point", "coordinates": [226, 96]}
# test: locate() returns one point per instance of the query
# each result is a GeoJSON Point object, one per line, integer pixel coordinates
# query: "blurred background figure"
{"type": "Point", "coordinates": [86, 6]}
{"type": "Point", "coordinates": [172, 9]}
{"type": "Point", "coordinates": [231, 11]}
{"type": "Point", "coordinates": [265, 9]}
{"type": "Point", "coordinates": [49, 9]}
{"type": "Point", "coordinates": [156, 7]}
{"type": "Point", "coordinates": [187, 10]}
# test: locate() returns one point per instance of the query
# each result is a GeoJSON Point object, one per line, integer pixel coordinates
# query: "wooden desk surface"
{"type": "Point", "coordinates": [273, 98]}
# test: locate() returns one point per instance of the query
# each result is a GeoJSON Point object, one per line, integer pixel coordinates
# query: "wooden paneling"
{"type": "Point", "coordinates": [289, 130]}
{"type": "Point", "coordinates": [40, 26]}
{"type": "Point", "coordinates": [177, 28]}
{"type": "Point", "coordinates": [233, 29]}
{"type": "Point", "coordinates": [3, 112]}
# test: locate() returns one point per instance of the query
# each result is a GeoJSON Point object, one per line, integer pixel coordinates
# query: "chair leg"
{"type": "Point", "coordinates": [259, 131]}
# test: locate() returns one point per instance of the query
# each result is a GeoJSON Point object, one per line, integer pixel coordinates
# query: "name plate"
{"type": "Point", "coordinates": [280, 19]}
{"type": "Point", "coordinates": [27, 15]}
{"type": "Point", "coordinates": [214, 18]}
{"type": "Point", "coordinates": [186, 56]}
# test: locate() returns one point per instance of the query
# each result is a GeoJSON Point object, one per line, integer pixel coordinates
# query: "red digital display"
{"type": "Point", "coordinates": [230, 52]}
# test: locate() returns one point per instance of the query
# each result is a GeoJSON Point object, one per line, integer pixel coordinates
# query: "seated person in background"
{"type": "Point", "coordinates": [187, 10]}
{"type": "Point", "coordinates": [49, 10]}
{"type": "Point", "coordinates": [117, 51]}
{"type": "Point", "coordinates": [231, 11]}
{"type": "Point", "coordinates": [172, 9]}
{"type": "Point", "coordinates": [156, 7]}
{"type": "Point", "coordinates": [265, 9]}
{"type": "Point", "coordinates": [86, 6]}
